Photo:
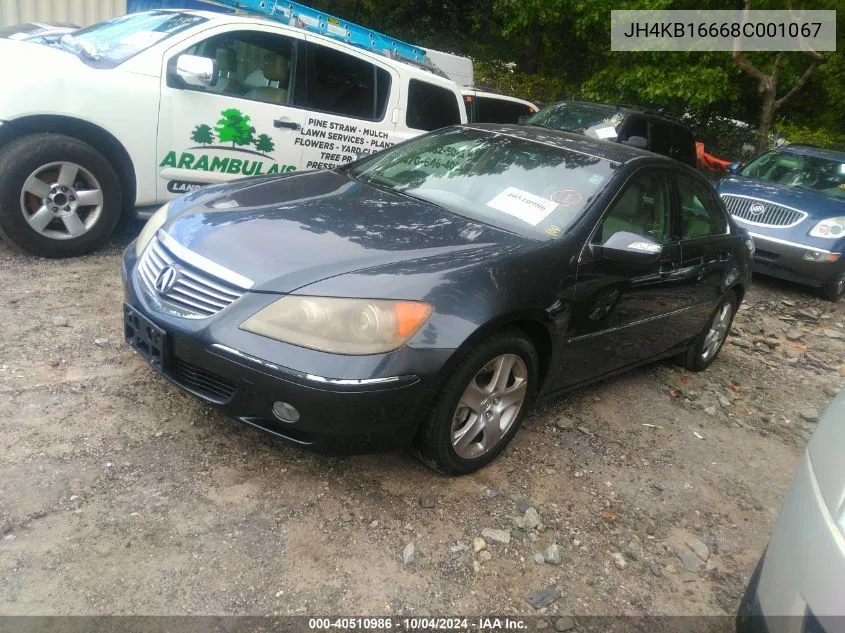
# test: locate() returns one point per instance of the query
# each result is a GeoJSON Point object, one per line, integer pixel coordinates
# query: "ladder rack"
{"type": "Point", "coordinates": [298, 15]}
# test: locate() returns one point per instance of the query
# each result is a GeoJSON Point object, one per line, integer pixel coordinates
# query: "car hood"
{"type": "Point", "coordinates": [817, 205]}
{"type": "Point", "coordinates": [32, 58]}
{"type": "Point", "coordinates": [287, 232]}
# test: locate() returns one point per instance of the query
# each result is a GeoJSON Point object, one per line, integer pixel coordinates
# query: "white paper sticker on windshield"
{"type": "Point", "coordinates": [523, 205]}
{"type": "Point", "coordinates": [606, 132]}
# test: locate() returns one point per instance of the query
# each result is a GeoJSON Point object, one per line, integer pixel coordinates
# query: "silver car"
{"type": "Point", "coordinates": [799, 584]}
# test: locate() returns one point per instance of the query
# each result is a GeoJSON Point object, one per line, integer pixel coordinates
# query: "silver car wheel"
{"type": "Point", "coordinates": [62, 200]}
{"type": "Point", "coordinates": [489, 405]}
{"type": "Point", "coordinates": [718, 331]}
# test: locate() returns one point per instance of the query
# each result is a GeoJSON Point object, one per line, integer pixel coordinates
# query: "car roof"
{"type": "Point", "coordinates": [608, 150]}
{"type": "Point", "coordinates": [624, 109]}
{"type": "Point", "coordinates": [809, 150]}
{"type": "Point", "coordinates": [493, 94]}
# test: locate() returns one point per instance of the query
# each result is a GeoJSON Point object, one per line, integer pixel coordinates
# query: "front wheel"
{"type": "Point", "coordinates": [481, 405]}
{"type": "Point", "coordinates": [834, 289]}
{"type": "Point", "coordinates": [59, 197]}
{"type": "Point", "coordinates": [709, 342]}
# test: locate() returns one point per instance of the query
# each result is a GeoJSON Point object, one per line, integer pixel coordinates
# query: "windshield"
{"type": "Point", "coordinates": [579, 118]}
{"type": "Point", "coordinates": [817, 173]}
{"type": "Point", "coordinates": [529, 188]}
{"type": "Point", "coordinates": [112, 42]}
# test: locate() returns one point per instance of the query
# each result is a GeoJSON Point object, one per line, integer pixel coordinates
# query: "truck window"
{"type": "Point", "coordinates": [251, 65]}
{"type": "Point", "coordinates": [491, 110]}
{"type": "Point", "coordinates": [430, 107]}
{"type": "Point", "coordinates": [346, 85]}
{"type": "Point", "coordinates": [661, 138]}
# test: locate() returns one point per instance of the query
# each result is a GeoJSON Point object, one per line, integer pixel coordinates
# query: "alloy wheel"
{"type": "Point", "coordinates": [718, 331]}
{"type": "Point", "coordinates": [489, 406]}
{"type": "Point", "coordinates": [61, 200]}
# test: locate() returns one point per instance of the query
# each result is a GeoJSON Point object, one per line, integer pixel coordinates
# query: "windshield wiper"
{"type": "Point", "coordinates": [73, 45]}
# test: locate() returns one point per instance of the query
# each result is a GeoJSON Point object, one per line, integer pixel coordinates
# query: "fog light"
{"type": "Point", "coordinates": [820, 256]}
{"type": "Point", "coordinates": [285, 411]}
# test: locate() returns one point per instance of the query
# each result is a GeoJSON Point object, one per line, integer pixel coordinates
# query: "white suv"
{"type": "Point", "coordinates": [137, 110]}
{"type": "Point", "coordinates": [487, 106]}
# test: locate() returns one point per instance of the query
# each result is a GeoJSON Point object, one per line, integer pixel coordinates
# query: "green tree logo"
{"type": "Point", "coordinates": [235, 127]}
{"type": "Point", "coordinates": [202, 134]}
{"type": "Point", "coordinates": [264, 144]}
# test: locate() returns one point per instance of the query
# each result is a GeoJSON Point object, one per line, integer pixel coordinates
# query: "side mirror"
{"type": "Point", "coordinates": [626, 247]}
{"type": "Point", "coordinates": [734, 167]}
{"type": "Point", "coordinates": [637, 141]}
{"type": "Point", "coordinates": [195, 71]}
{"type": "Point", "coordinates": [522, 119]}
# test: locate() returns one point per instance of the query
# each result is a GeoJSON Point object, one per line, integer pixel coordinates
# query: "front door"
{"type": "Point", "coordinates": [708, 256]}
{"type": "Point", "coordinates": [622, 312]}
{"type": "Point", "coordinates": [245, 124]}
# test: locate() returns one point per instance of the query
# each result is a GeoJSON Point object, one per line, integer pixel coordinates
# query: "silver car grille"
{"type": "Point", "coordinates": [191, 292]}
{"type": "Point", "coordinates": [762, 212]}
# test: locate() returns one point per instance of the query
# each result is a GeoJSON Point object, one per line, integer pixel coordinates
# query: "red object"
{"type": "Point", "coordinates": [708, 161]}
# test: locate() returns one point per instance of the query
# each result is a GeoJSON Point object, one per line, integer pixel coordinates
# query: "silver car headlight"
{"type": "Point", "coordinates": [155, 222]}
{"type": "Point", "coordinates": [832, 228]}
{"type": "Point", "coordinates": [340, 326]}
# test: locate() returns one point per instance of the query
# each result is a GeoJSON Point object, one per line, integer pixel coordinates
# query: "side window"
{"type": "Point", "coordinates": [252, 65]}
{"type": "Point", "coordinates": [430, 107]}
{"type": "Point", "coordinates": [346, 85]}
{"type": "Point", "coordinates": [499, 110]}
{"type": "Point", "coordinates": [661, 138]}
{"type": "Point", "coordinates": [643, 208]}
{"type": "Point", "coordinates": [634, 126]}
{"type": "Point", "coordinates": [700, 213]}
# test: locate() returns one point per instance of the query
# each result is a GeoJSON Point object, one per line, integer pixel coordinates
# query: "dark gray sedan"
{"type": "Point", "coordinates": [427, 295]}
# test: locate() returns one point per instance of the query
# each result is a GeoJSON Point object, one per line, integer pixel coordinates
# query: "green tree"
{"type": "Point", "coordinates": [235, 127]}
{"type": "Point", "coordinates": [202, 134]}
{"type": "Point", "coordinates": [264, 144]}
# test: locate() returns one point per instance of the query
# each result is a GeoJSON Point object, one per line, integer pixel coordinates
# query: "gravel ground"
{"type": "Point", "coordinates": [652, 493]}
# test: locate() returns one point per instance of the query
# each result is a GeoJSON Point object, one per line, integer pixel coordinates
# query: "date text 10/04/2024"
{"type": "Point", "coordinates": [419, 624]}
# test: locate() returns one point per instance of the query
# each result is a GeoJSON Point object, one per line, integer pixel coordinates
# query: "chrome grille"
{"type": "Point", "coordinates": [195, 294]}
{"type": "Point", "coordinates": [762, 212]}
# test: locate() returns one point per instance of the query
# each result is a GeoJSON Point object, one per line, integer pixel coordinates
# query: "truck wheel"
{"type": "Point", "coordinates": [59, 197]}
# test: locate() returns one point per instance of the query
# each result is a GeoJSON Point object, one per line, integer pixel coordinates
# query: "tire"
{"type": "Point", "coordinates": [435, 443]}
{"type": "Point", "coordinates": [834, 289]}
{"type": "Point", "coordinates": [47, 180]}
{"type": "Point", "coordinates": [694, 358]}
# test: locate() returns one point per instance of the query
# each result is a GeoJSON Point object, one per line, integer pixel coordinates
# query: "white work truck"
{"type": "Point", "coordinates": [124, 115]}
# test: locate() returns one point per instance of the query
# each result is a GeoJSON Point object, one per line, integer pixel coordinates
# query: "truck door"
{"type": "Point", "coordinates": [350, 101]}
{"type": "Point", "coordinates": [245, 122]}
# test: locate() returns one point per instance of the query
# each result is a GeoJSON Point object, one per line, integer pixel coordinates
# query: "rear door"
{"type": "Point", "coordinates": [624, 313]}
{"type": "Point", "coordinates": [708, 251]}
{"type": "Point", "coordinates": [351, 97]}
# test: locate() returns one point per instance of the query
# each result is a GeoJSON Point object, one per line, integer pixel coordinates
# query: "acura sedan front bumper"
{"type": "Point", "coordinates": [223, 366]}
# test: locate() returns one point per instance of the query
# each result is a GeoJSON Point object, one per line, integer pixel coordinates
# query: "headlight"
{"type": "Point", "coordinates": [832, 228]}
{"type": "Point", "coordinates": [153, 224]}
{"type": "Point", "coordinates": [340, 326]}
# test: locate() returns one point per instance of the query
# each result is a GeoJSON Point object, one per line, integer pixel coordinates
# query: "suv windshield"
{"type": "Point", "coordinates": [112, 42]}
{"type": "Point", "coordinates": [817, 173]}
{"type": "Point", "coordinates": [579, 118]}
{"type": "Point", "coordinates": [532, 189]}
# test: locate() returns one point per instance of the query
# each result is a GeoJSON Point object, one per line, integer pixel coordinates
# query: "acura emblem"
{"type": "Point", "coordinates": [165, 280]}
{"type": "Point", "coordinates": [756, 208]}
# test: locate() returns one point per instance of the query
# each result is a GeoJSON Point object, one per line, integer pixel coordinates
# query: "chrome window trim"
{"type": "Point", "coordinates": [203, 263]}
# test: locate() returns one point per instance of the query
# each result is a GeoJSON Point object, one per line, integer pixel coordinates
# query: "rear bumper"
{"type": "Point", "coordinates": [787, 260]}
{"type": "Point", "coordinates": [801, 581]}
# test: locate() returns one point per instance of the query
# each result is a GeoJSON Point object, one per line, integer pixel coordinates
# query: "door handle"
{"type": "Point", "coordinates": [291, 125]}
